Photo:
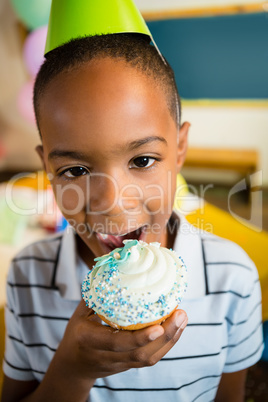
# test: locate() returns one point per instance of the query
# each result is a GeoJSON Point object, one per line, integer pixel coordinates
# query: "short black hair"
{"type": "Point", "coordinates": [134, 49]}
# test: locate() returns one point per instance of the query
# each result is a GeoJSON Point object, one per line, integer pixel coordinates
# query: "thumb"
{"type": "Point", "coordinates": [86, 312]}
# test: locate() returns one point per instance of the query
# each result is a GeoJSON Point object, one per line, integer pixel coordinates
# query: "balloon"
{"type": "Point", "coordinates": [25, 102]}
{"type": "Point", "coordinates": [33, 50]}
{"type": "Point", "coordinates": [33, 13]}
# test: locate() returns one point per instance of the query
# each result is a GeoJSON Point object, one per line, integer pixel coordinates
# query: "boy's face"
{"type": "Point", "coordinates": [110, 146]}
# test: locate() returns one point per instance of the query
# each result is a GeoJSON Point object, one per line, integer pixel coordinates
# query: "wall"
{"type": "Point", "coordinates": [228, 126]}
{"type": "Point", "coordinates": [222, 57]}
{"type": "Point", "coordinates": [160, 5]}
{"type": "Point", "coordinates": [221, 66]}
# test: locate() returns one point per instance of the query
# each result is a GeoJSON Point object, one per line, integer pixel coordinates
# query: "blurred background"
{"type": "Point", "coordinates": [219, 52]}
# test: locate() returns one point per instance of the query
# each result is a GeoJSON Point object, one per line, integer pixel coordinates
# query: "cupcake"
{"type": "Point", "coordinates": [135, 286]}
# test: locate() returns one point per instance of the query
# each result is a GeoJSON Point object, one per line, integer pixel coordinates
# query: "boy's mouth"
{"type": "Point", "coordinates": [114, 241]}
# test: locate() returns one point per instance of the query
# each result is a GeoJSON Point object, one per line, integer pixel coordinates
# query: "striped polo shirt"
{"type": "Point", "coordinates": [223, 304]}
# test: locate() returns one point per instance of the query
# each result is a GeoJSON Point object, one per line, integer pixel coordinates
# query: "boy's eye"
{"type": "Point", "coordinates": [142, 162]}
{"type": "Point", "coordinates": [75, 172]}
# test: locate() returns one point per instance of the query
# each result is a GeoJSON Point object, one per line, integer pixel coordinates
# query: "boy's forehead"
{"type": "Point", "coordinates": [101, 98]}
{"type": "Point", "coordinates": [103, 73]}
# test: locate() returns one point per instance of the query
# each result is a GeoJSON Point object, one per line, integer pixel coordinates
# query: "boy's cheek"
{"type": "Point", "coordinates": [160, 203]}
{"type": "Point", "coordinates": [159, 197]}
{"type": "Point", "coordinates": [70, 199]}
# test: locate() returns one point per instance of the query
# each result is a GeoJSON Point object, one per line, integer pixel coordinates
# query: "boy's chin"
{"type": "Point", "coordinates": [109, 242]}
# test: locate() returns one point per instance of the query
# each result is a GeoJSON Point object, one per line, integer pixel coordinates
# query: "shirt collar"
{"type": "Point", "coordinates": [67, 276]}
{"type": "Point", "coordinates": [71, 269]}
{"type": "Point", "coordinates": [188, 245]}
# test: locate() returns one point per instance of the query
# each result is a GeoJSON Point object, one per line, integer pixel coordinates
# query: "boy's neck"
{"type": "Point", "coordinates": [84, 252]}
{"type": "Point", "coordinates": [172, 230]}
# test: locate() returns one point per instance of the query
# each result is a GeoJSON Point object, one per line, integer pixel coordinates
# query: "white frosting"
{"type": "Point", "coordinates": [142, 286]}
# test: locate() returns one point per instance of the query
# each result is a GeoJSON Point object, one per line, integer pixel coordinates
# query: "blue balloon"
{"type": "Point", "coordinates": [33, 13]}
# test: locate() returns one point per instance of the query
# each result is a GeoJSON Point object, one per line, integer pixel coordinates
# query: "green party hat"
{"type": "Point", "coordinates": [71, 19]}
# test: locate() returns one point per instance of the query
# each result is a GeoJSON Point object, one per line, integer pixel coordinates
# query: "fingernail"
{"type": "Point", "coordinates": [181, 320]}
{"type": "Point", "coordinates": [185, 322]}
{"type": "Point", "coordinates": [154, 335]}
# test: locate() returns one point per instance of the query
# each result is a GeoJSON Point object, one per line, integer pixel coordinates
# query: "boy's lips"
{"type": "Point", "coordinates": [114, 241]}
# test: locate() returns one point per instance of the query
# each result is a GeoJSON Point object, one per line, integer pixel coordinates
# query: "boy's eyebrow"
{"type": "Point", "coordinates": [57, 153]}
{"type": "Point", "coordinates": [138, 143]}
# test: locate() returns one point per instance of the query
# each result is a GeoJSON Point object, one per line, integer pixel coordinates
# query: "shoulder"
{"type": "Point", "coordinates": [227, 265]}
{"type": "Point", "coordinates": [35, 262]}
{"type": "Point", "coordinates": [40, 249]}
{"type": "Point", "coordinates": [215, 265]}
{"type": "Point", "coordinates": [217, 246]}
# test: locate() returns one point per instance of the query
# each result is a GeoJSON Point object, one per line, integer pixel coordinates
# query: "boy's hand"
{"type": "Point", "coordinates": [90, 350]}
{"type": "Point", "coordinates": [93, 350]}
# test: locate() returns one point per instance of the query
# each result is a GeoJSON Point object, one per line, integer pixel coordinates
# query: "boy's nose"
{"type": "Point", "coordinates": [110, 196]}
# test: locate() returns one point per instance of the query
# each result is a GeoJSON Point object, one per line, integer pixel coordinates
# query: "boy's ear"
{"type": "Point", "coordinates": [39, 149]}
{"type": "Point", "coordinates": [183, 144]}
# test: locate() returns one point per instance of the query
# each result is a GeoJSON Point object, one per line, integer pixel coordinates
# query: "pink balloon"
{"type": "Point", "coordinates": [25, 102]}
{"type": "Point", "coordinates": [33, 50]}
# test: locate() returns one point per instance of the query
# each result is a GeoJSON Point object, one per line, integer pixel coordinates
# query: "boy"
{"type": "Point", "coordinates": [108, 111]}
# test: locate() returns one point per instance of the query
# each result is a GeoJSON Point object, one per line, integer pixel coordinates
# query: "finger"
{"type": "Point", "coordinates": [105, 338]}
{"type": "Point", "coordinates": [175, 322]}
{"type": "Point", "coordinates": [170, 327]}
{"type": "Point", "coordinates": [153, 351]}
{"type": "Point", "coordinates": [166, 348]}
{"type": "Point", "coordinates": [82, 310]}
{"type": "Point", "coordinates": [173, 328]}
{"type": "Point", "coordinates": [145, 356]}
